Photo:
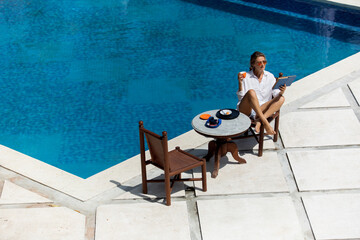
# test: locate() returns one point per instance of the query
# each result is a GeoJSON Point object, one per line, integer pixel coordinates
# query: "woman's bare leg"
{"type": "Point", "coordinates": [250, 102]}
{"type": "Point", "coordinates": [269, 108]}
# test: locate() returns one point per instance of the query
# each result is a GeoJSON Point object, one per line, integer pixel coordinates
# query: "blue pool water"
{"type": "Point", "coordinates": [77, 76]}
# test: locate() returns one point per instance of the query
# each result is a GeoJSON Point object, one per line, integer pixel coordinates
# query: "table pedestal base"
{"type": "Point", "coordinates": [219, 148]}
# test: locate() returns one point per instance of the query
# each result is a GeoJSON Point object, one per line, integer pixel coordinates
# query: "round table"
{"type": "Point", "coordinates": [222, 144]}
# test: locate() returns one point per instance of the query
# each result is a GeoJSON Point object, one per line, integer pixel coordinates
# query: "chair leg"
{"type": "Point", "coordinates": [203, 169]}
{"type": "Point", "coordinates": [276, 129]}
{"type": "Point", "coordinates": [261, 140]}
{"type": "Point", "coordinates": [167, 189]}
{"type": "Point", "coordinates": [144, 180]}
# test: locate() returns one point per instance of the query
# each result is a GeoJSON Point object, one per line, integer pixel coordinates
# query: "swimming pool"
{"type": "Point", "coordinates": [77, 76]}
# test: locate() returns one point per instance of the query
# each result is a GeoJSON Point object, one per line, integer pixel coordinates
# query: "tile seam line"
{"type": "Point", "coordinates": [319, 192]}
{"type": "Point", "coordinates": [307, 216]}
{"type": "Point", "coordinates": [243, 195]}
{"type": "Point", "coordinates": [353, 95]}
{"type": "Point", "coordinates": [327, 147]}
{"type": "Point", "coordinates": [45, 185]}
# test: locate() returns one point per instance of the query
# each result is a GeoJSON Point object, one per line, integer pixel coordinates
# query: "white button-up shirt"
{"type": "Point", "coordinates": [263, 89]}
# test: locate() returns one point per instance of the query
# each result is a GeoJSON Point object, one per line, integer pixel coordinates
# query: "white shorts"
{"type": "Point", "coordinates": [252, 114]}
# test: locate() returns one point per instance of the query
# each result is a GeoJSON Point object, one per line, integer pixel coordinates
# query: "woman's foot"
{"type": "Point", "coordinates": [268, 129]}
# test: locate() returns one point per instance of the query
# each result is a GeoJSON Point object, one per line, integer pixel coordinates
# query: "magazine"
{"type": "Point", "coordinates": [281, 81]}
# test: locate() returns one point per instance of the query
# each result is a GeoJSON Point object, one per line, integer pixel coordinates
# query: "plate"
{"type": "Point", "coordinates": [205, 116]}
{"type": "Point", "coordinates": [225, 112]}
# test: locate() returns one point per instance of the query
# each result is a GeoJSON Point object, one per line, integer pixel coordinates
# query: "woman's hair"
{"type": "Point", "coordinates": [253, 58]}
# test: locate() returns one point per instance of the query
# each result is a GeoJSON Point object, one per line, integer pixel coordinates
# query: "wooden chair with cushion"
{"type": "Point", "coordinates": [173, 163]}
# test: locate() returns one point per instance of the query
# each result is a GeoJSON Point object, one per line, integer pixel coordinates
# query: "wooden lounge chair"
{"type": "Point", "coordinates": [173, 163]}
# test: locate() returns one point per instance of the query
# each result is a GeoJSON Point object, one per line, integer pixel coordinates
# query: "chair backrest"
{"type": "Point", "coordinates": [157, 144]}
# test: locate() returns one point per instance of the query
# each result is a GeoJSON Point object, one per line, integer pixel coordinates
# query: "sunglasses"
{"type": "Point", "coordinates": [261, 62]}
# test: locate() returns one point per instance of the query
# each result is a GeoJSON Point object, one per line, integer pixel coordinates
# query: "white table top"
{"type": "Point", "coordinates": [228, 128]}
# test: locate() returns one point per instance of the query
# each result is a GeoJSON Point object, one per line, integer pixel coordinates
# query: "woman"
{"type": "Point", "coordinates": [257, 99]}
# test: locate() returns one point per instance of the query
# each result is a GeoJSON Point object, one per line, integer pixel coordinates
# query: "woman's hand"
{"type": "Point", "coordinates": [240, 77]}
{"type": "Point", "coordinates": [282, 89]}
